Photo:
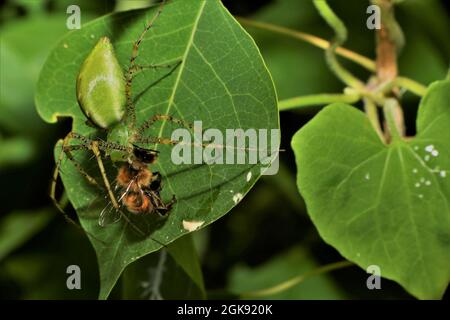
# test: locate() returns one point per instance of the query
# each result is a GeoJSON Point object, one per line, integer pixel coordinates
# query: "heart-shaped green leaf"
{"type": "Point", "coordinates": [384, 205]}
{"type": "Point", "coordinates": [221, 81]}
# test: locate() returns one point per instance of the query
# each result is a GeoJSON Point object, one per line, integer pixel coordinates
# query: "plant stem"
{"type": "Point", "coordinates": [341, 35]}
{"type": "Point", "coordinates": [311, 39]}
{"type": "Point", "coordinates": [363, 61]}
{"type": "Point", "coordinates": [389, 39]}
{"type": "Point", "coordinates": [394, 118]}
{"type": "Point", "coordinates": [296, 280]}
{"type": "Point", "coordinates": [409, 85]}
{"type": "Point", "coordinates": [316, 100]}
{"type": "Point", "coordinates": [372, 113]}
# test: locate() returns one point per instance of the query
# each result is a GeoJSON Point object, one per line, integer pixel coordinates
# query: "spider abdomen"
{"type": "Point", "coordinates": [101, 86]}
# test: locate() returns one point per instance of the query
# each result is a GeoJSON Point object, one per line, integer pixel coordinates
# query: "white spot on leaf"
{"type": "Point", "coordinates": [249, 176]}
{"type": "Point", "coordinates": [429, 148]}
{"type": "Point", "coordinates": [237, 197]}
{"type": "Point", "coordinates": [192, 225]}
{"type": "Point", "coordinates": [443, 174]}
{"type": "Point", "coordinates": [367, 176]}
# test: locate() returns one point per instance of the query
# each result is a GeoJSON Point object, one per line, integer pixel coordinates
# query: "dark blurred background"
{"type": "Point", "coordinates": [268, 235]}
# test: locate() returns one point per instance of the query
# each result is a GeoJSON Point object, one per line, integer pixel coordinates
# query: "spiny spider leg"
{"type": "Point", "coordinates": [96, 150]}
{"type": "Point", "coordinates": [166, 141]}
{"type": "Point", "coordinates": [67, 150]}
{"type": "Point", "coordinates": [161, 117]}
{"type": "Point", "coordinates": [139, 135]}
{"type": "Point", "coordinates": [140, 67]}
{"type": "Point", "coordinates": [131, 113]}
{"type": "Point", "coordinates": [155, 140]}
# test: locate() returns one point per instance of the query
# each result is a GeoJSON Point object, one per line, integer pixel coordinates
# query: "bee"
{"type": "Point", "coordinates": [139, 187]}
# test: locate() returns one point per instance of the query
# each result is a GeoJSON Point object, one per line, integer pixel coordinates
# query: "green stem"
{"type": "Point", "coordinates": [341, 35]}
{"type": "Point", "coordinates": [411, 85]}
{"type": "Point", "coordinates": [392, 114]}
{"type": "Point", "coordinates": [316, 100]}
{"type": "Point", "coordinates": [406, 83]}
{"type": "Point", "coordinates": [372, 113]}
{"type": "Point", "coordinates": [296, 280]}
{"type": "Point", "coordinates": [363, 61]}
{"type": "Point", "coordinates": [311, 39]}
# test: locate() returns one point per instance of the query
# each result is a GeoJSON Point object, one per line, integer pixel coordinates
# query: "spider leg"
{"type": "Point", "coordinates": [67, 150]}
{"type": "Point", "coordinates": [161, 117]}
{"type": "Point", "coordinates": [166, 141]}
{"type": "Point", "coordinates": [131, 112]}
{"type": "Point", "coordinates": [95, 148]}
{"type": "Point", "coordinates": [137, 68]}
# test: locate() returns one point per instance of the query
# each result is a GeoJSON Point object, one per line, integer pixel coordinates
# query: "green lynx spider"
{"type": "Point", "coordinates": [109, 106]}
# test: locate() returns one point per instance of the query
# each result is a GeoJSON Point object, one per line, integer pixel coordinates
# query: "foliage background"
{"type": "Point", "coordinates": [268, 237]}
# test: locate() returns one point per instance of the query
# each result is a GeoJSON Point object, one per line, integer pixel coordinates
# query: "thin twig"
{"type": "Point", "coordinates": [363, 61]}
{"type": "Point", "coordinates": [311, 39]}
{"type": "Point", "coordinates": [317, 100]}
{"type": "Point", "coordinates": [296, 280]}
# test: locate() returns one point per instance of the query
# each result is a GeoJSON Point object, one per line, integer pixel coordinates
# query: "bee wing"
{"type": "Point", "coordinates": [109, 215]}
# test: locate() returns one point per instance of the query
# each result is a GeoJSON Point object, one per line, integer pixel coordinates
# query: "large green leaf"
{"type": "Point", "coordinates": [222, 81]}
{"type": "Point", "coordinates": [385, 205]}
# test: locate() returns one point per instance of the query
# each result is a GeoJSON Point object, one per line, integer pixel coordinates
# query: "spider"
{"type": "Point", "coordinates": [104, 95]}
